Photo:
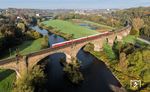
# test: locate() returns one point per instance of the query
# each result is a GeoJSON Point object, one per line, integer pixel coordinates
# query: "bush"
{"type": "Point", "coordinates": [36, 35]}
{"type": "Point", "coordinates": [72, 72]}
{"type": "Point", "coordinates": [134, 32]}
{"type": "Point", "coordinates": [21, 26]}
{"type": "Point", "coordinates": [45, 42]}
{"type": "Point", "coordinates": [108, 50]}
{"type": "Point", "coordinates": [89, 47]}
{"type": "Point", "coordinates": [116, 48]}
{"type": "Point", "coordinates": [31, 34]}
{"type": "Point", "coordinates": [28, 82]}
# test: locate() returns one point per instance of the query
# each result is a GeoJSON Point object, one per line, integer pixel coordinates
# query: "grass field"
{"type": "Point", "coordinates": [99, 26]}
{"type": "Point", "coordinates": [132, 39]}
{"type": "Point", "coordinates": [129, 39]}
{"type": "Point", "coordinates": [35, 46]}
{"type": "Point", "coordinates": [7, 78]}
{"type": "Point", "coordinates": [25, 48]}
{"type": "Point", "coordinates": [70, 28]}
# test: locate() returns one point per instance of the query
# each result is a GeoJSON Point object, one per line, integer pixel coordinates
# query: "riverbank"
{"type": "Point", "coordinates": [97, 81]}
{"type": "Point", "coordinates": [123, 70]}
{"type": "Point", "coordinates": [56, 32]}
{"type": "Point", "coordinates": [121, 74]}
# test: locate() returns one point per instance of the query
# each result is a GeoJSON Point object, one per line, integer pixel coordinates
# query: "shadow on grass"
{"type": "Point", "coordinates": [6, 53]}
{"type": "Point", "coordinates": [4, 74]}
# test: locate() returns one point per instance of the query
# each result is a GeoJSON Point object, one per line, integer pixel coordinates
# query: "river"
{"type": "Point", "coordinates": [52, 37]}
{"type": "Point", "coordinates": [97, 77]}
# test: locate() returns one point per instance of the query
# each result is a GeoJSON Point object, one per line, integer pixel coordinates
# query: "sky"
{"type": "Point", "coordinates": [73, 4]}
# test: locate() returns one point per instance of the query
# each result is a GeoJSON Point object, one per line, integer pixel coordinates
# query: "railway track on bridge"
{"type": "Point", "coordinates": [65, 44]}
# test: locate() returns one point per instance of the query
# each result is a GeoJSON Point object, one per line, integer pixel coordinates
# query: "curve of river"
{"type": "Point", "coordinates": [97, 77]}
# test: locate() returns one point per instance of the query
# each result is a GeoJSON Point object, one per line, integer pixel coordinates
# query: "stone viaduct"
{"type": "Point", "coordinates": [26, 62]}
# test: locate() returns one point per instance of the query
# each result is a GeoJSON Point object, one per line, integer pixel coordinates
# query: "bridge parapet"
{"type": "Point", "coordinates": [70, 50]}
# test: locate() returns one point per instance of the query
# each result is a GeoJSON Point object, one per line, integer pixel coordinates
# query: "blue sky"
{"type": "Point", "coordinates": [84, 4]}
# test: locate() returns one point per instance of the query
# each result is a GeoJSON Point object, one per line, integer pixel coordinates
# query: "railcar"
{"type": "Point", "coordinates": [80, 39]}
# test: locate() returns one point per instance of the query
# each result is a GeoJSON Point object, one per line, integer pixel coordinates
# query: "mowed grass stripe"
{"type": "Point", "coordinates": [70, 28]}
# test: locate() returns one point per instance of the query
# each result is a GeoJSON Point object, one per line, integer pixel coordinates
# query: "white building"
{"type": "Point", "coordinates": [38, 15]}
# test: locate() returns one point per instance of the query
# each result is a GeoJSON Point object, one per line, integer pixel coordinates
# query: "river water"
{"type": "Point", "coordinates": [87, 26]}
{"type": "Point", "coordinates": [97, 77]}
{"type": "Point", "coordinates": [52, 37]}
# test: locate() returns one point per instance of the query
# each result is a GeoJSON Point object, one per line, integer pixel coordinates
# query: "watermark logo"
{"type": "Point", "coordinates": [135, 84]}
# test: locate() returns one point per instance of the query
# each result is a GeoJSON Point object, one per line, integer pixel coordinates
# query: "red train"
{"type": "Point", "coordinates": [81, 39]}
{"type": "Point", "coordinates": [87, 38]}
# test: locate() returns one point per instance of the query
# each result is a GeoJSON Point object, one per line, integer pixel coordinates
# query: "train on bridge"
{"type": "Point", "coordinates": [81, 39]}
{"type": "Point", "coordinates": [91, 37]}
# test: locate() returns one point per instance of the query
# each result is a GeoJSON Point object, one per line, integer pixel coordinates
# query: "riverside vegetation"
{"type": "Point", "coordinates": [19, 37]}
{"type": "Point", "coordinates": [126, 61]}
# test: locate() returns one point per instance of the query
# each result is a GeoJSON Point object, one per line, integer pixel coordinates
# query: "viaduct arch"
{"type": "Point", "coordinates": [70, 50]}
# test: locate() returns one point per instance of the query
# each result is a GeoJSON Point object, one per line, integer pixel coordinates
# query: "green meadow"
{"type": "Point", "coordinates": [70, 28]}
{"type": "Point", "coordinates": [25, 48]}
{"type": "Point", "coordinates": [7, 78]}
{"type": "Point", "coordinates": [95, 24]}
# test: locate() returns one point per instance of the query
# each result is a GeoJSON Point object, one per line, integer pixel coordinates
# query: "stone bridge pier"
{"type": "Point", "coordinates": [19, 66]}
{"type": "Point", "coordinates": [98, 45]}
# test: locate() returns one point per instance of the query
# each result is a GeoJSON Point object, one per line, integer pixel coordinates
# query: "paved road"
{"type": "Point", "coordinates": [143, 40]}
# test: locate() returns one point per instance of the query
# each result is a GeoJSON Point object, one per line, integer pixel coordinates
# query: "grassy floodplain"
{"type": "Point", "coordinates": [70, 28]}
{"type": "Point", "coordinates": [99, 26]}
{"type": "Point", "coordinates": [25, 48]}
{"type": "Point", "coordinates": [7, 78]}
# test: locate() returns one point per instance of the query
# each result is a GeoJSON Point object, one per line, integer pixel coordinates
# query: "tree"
{"type": "Point", "coordinates": [45, 42]}
{"type": "Point", "coordinates": [134, 32]}
{"type": "Point", "coordinates": [21, 26]}
{"type": "Point", "coordinates": [108, 51]}
{"type": "Point", "coordinates": [117, 48]}
{"type": "Point", "coordinates": [136, 63]}
{"type": "Point", "coordinates": [122, 60]}
{"type": "Point", "coordinates": [34, 21]}
{"type": "Point", "coordinates": [137, 24]}
{"type": "Point", "coordinates": [28, 82]}
{"type": "Point", "coordinates": [36, 34]}
{"type": "Point", "coordinates": [145, 31]}
{"type": "Point", "coordinates": [72, 71]}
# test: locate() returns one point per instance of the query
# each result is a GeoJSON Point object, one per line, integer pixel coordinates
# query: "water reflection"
{"type": "Point", "coordinates": [88, 26]}
{"type": "Point", "coordinates": [97, 76]}
{"type": "Point", "coordinates": [40, 30]}
{"type": "Point", "coordinates": [55, 39]}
